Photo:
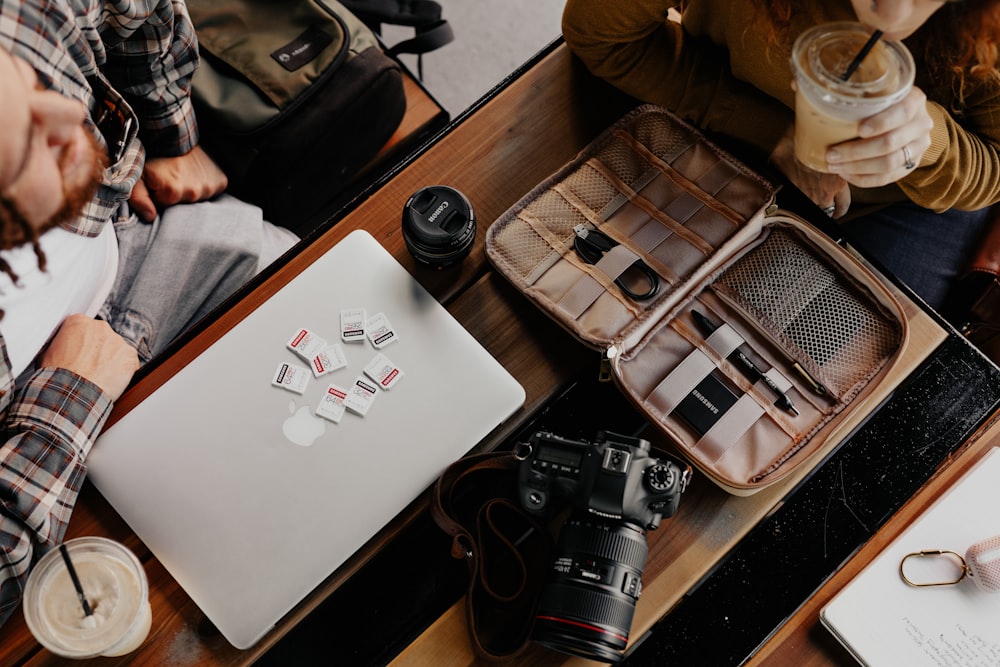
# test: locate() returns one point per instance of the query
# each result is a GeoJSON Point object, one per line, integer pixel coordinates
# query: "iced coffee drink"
{"type": "Point", "coordinates": [829, 109]}
{"type": "Point", "coordinates": [115, 588]}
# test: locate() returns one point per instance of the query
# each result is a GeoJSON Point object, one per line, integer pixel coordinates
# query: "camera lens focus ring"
{"type": "Point", "coordinates": [587, 606]}
{"type": "Point", "coordinates": [618, 546]}
{"type": "Point", "coordinates": [595, 607]}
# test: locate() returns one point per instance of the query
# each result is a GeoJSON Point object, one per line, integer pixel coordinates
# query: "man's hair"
{"type": "Point", "coordinates": [15, 230]}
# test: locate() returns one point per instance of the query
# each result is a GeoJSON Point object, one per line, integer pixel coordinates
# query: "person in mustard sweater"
{"type": "Point", "coordinates": [914, 190]}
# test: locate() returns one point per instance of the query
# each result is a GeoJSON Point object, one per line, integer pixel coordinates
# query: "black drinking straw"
{"type": "Point", "coordinates": [861, 55]}
{"type": "Point", "coordinates": [76, 580]}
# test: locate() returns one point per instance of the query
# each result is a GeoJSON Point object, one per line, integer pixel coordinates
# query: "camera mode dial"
{"type": "Point", "coordinates": [660, 477]}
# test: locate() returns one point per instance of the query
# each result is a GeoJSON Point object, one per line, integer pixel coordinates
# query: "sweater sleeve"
{"type": "Point", "coordinates": [637, 48]}
{"type": "Point", "coordinates": [961, 169]}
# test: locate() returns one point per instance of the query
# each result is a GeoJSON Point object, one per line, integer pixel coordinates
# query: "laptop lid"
{"type": "Point", "coordinates": [247, 497]}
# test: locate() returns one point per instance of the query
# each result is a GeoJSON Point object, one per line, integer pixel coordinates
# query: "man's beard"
{"type": "Point", "coordinates": [77, 198]}
{"type": "Point", "coordinates": [16, 230]}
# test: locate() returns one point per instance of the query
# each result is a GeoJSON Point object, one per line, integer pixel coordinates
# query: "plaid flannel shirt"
{"type": "Point", "coordinates": [146, 50]}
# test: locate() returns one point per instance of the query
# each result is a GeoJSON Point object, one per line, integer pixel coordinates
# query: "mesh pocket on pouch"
{"type": "Point", "coordinates": [822, 318]}
{"type": "Point", "coordinates": [531, 239]}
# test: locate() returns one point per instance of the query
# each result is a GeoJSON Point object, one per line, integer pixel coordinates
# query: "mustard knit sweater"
{"type": "Point", "coordinates": [717, 70]}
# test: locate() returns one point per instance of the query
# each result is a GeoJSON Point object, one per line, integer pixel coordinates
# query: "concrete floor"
{"type": "Point", "coordinates": [492, 39]}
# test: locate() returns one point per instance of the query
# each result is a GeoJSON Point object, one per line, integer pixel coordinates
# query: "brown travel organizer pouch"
{"type": "Point", "coordinates": [660, 203]}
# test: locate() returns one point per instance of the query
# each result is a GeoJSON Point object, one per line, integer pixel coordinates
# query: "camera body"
{"type": "Point", "coordinates": [614, 477]}
{"type": "Point", "coordinates": [617, 491]}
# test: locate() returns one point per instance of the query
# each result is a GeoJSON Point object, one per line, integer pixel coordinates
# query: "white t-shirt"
{"type": "Point", "coordinates": [80, 274]}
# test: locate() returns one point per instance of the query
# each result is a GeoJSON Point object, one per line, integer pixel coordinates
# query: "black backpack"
{"type": "Point", "coordinates": [292, 99]}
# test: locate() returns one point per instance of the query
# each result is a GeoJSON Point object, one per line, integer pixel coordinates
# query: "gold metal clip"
{"type": "Point", "coordinates": [934, 553]}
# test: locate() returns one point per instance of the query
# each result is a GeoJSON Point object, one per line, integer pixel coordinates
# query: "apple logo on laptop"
{"type": "Point", "coordinates": [302, 428]}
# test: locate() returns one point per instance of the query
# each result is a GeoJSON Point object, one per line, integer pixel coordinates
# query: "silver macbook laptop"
{"type": "Point", "coordinates": [247, 497]}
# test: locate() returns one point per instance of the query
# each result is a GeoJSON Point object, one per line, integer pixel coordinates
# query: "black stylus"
{"type": "Point", "coordinates": [707, 327]}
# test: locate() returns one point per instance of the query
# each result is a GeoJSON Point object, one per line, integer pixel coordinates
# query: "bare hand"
{"type": "Point", "coordinates": [825, 190]}
{"type": "Point", "coordinates": [91, 349]}
{"type": "Point", "coordinates": [186, 178]}
{"type": "Point", "coordinates": [878, 156]}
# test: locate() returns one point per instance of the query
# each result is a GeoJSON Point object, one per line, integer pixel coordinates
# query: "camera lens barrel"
{"type": "Point", "coordinates": [439, 225]}
{"type": "Point", "coordinates": [588, 602]}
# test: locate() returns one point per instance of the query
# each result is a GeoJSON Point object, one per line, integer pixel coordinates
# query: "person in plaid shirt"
{"type": "Point", "coordinates": [115, 236]}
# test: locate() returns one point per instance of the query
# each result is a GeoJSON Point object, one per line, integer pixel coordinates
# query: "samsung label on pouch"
{"type": "Point", "coordinates": [302, 49]}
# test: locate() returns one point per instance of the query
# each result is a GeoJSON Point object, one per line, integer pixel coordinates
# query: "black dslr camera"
{"type": "Point", "coordinates": [617, 491]}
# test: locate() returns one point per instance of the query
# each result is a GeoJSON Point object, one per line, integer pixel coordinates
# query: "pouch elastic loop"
{"type": "Point", "coordinates": [681, 381]}
{"type": "Point", "coordinates": [587, 290]}
{"type": "Point", "coordinates": [724, 340]}
{"type": "Point", "coordinates": [730, 428]}
{"type": "Point", "coordinates": [715, 179]}
{"type": "Point", "coordinates": [779, 379]}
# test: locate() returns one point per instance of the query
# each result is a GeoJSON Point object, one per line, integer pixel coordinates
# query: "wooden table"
{"type": "Point", "coordinates": [535, 122]}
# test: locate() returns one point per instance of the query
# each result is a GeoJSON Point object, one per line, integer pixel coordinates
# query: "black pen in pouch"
{"type": "Point", "coordinates": [742, 361]}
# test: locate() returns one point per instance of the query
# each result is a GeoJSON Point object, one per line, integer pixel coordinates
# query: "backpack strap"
{"type": "Point", "coordinates": [413, 13]}
{"type": "Point", "coordinates": [424, 16]}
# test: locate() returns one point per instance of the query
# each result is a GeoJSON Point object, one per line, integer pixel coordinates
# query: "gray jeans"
{"type": "Point", "coordinates": [926, 250]}
{"type": "Point", "coordinates": [175, 270]}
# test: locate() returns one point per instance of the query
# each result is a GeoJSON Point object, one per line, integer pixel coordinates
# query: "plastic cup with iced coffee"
{"type": "Point", "coordinates": [828, 110]}
{"type": "Point", "coordinates": [116, 591]}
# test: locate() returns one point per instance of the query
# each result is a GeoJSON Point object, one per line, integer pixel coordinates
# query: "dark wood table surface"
{"type": "Point", "coordinates": [496, 152]}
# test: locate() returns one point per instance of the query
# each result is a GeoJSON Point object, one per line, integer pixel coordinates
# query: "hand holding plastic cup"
{"type": "Point", "coordinates": [829, 109]}
{"type": "Point", "coordinates": [92, 602]}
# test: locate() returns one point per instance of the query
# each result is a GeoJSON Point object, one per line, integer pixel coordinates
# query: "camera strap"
{"type": "Point", "coordinates": [507, 550]}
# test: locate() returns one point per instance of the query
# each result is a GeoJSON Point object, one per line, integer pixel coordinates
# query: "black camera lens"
{"type": "Point", "coordinates": [587, 604]}
{"type": "Point", "coordinates": [439, 225]}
